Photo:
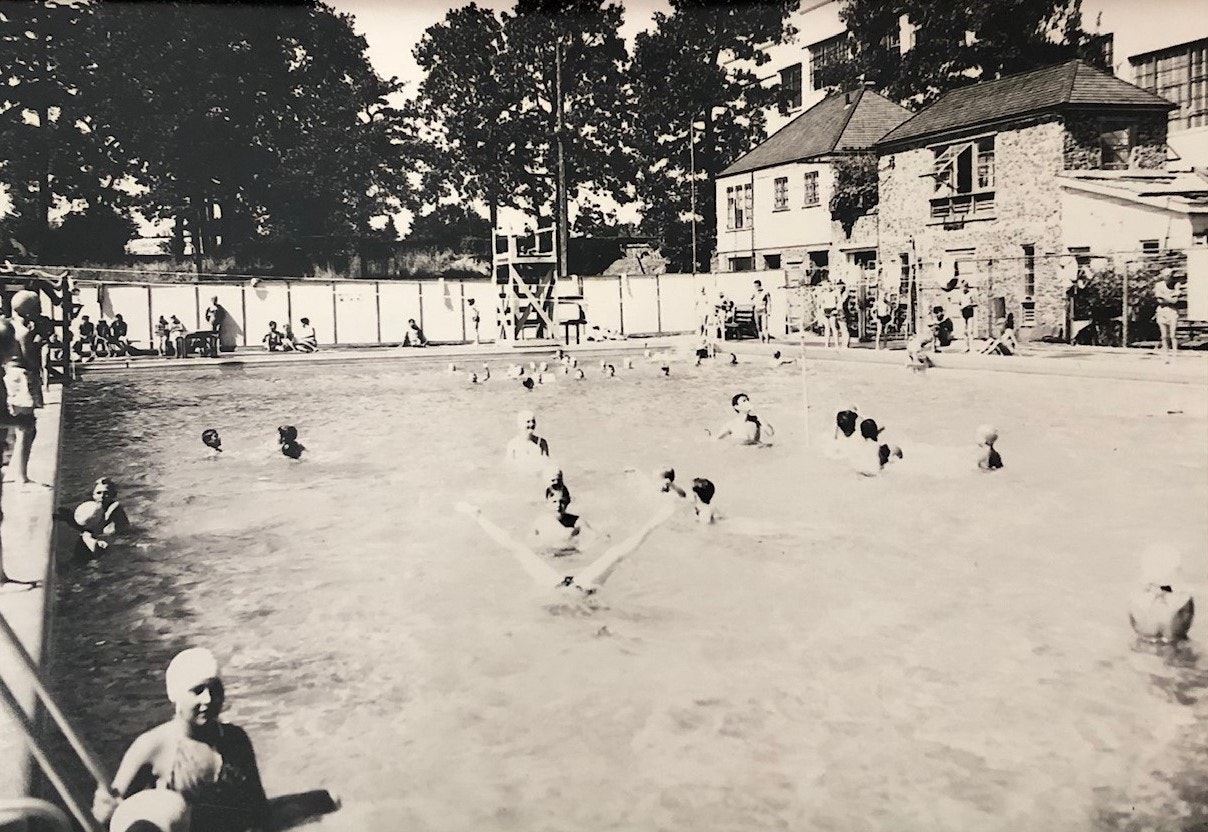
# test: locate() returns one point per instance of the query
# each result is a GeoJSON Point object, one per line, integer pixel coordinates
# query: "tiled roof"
{"type": "Point", "coordinates": [840, 122]}
{"type": "Point", "coordinates": [1071, 84]}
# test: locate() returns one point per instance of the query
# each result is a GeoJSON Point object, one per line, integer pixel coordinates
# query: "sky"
{"type": "Point", "coordinates": [392, 29]}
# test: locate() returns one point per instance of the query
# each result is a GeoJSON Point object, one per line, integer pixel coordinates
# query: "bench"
{"type": "Point", "coordinates": [741, 322]}
{"type": "Point", "coordinates": [203, 343]}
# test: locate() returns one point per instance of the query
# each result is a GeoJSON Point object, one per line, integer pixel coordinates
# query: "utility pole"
{"type": "Point", "coordinates": [692, 168]}
{"type": "Point", "coordinates": [559, 133]}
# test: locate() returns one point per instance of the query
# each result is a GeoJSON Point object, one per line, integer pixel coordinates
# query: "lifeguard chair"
{"type": "Point", "coordinates": [525, 267]}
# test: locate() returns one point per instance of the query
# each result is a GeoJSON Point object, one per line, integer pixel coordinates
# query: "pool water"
{"type": "Point", "coordinates": [935, 649]}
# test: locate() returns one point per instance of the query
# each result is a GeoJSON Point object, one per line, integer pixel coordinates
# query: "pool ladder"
{"type": "Point", "coordinates": [17, 811]}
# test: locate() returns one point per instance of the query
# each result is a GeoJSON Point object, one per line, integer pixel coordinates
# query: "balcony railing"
{"type": "Point", "coordinates": [963, 207]}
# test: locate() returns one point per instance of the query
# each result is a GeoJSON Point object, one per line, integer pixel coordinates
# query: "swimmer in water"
{"type": "Point", "coordinates": [1159, 612]}
{"type": "Point", "coordinates": [628, 363]}
{"type": "Point", "coordinates": [746, 428]}
{"type": "Point", "coordinates": [528, 384]}
{"type": "Point", "coordinates": [98, 520]}
{"type": "Point", "coordinates": [665, 477]}
{"type": "Point", "coordinates": [988, 458]}
{"type": "Point", "coordinates": [870, 432]}
{"type": "Point", "coordinates": [558, 531]}
{"type": "Point", "coordinates": [587, 580]}
{"type": "Point", "coordinates": [702, 501]}
{"type": "Point", "coordinates": [526, 446]}
{"type": "Point", "coordinates": [211, 439]}
{"type": "Point", "coordinates": [665, 369]}
{"type": "Point", "coordinates": [733, 362]}
{"type": "Point", "coordinates": [579, 375]}
{"type": "Point", "coordinates": [287, 441]}
{"type": "Point", "coordinates": [845, 423]}
{"type": "Point", "coordinates": [610, 371]}
{"type": "Point", "coordinates": [778, 361]}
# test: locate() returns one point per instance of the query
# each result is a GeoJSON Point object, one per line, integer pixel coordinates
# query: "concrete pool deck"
{"type": "Point", "coordinates": [1189, 367]}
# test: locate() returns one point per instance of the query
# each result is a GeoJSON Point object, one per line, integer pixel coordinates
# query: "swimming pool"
{"type": "Point", "coordinates": [935, 649]}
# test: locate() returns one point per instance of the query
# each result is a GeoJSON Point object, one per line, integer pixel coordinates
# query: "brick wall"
{"type": "Point", "coordinates": [1027, 212]}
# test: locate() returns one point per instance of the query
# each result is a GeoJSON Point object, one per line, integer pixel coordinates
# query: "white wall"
{"type": "Point", "coordinates": [1107, 224]}
{"type": "Point", "coordinates": [794, 227]}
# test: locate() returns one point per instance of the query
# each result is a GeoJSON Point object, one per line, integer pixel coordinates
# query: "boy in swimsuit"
{"type": "Point", "coordinates": [22, 360]}
{"type": "Point", "coordinates": [559, 531]}
{"type": "Point", "coordinates": [97, 520]}
{"type": "Point", "coordinates": [883, 309]}
{"type": "Point", "coordinates": [778, 361]}
{"type": "Point", "coordinates": [746, 428]}
{"type": "Point", "coordinates": [988, 458]}
{"type": "Point", "coordinates": [287, 441]}
{"type": "Point", "coordinates": [968, 306]}
{"type": "Point", "coordinates": [871, 434]}
{"type": "Point", "coordinates": [8, 420]}
{"type": "Point", "coordinates": [211, 439]}
{"type": "Point", "coordinates": [208, 762]}
{"type": "Point", "coordinates": [1166, 293]}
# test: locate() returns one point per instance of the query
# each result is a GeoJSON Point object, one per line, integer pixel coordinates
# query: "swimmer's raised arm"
{"type": "Point", "coordinates": [597, 572]}
{"type": "Point", "coordinates": [536, 568]}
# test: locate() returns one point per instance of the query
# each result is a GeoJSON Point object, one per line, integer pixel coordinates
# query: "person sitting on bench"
{"type": "Point", "coordinates": [1005, 343]}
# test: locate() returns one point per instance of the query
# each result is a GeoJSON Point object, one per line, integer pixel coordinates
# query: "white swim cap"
{"type": "Point", "coordinates": [987, 434]}
{"type": "Point", "coordinates": [26, 303]}
{"type": "Point", "coordinates": [524, 417]}
{"type": "Point", "coordinates": [90, 515]}
{"type": "Point", "coordinates": [164, 809]}
{"type": "Point", "coordinates": [190, 668]}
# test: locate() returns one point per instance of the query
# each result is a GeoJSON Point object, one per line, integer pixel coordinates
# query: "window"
{"type": "Point", "coordinates": [1029, 271]}
{"type": "Point", "coordinates": [1151, 247]}
{"type": "Point", "coordinates": [827, 58]}
{"type": "Point", "coordinates": [781, 192]}
{"type": "Point", "coordinates": [866, 261]}
{"type": "Point", "coordinates": [811, 188]}
{"type": "Point", "coordinates": [790, 84]}
{"type": "Point", "coordinates": [1179, 74]}
{"type": "Point", "coordinates": [964, 180]}
{"type": "Point", "coordinates": [742, 264]}
{"type": "Point", "coordinates": [904, 275]}
{"type": "Point", "coordinates": [1114, 145]}
{"type": "Point", "coordinates": [1099, 50]}
{"type": "Point", "coordinates": [819, 269]}
{"type": "Point", "coordinates": [738, 206]}
{"type": "Point", "coordinates": [771, 261]}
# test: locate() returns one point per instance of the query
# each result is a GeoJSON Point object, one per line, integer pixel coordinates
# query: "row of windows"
{"type": "Point", "coordinates": [1180, 75]}
{"type": "Point", "coordinates": [740, 199]}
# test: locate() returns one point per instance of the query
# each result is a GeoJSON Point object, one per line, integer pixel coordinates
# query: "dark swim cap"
{"type": "Point", "coordinates": [845, 420]}
{"type": "Point", "coordinates": [287, 433]}
{"type": "Point", "coordinates": [704, 489]}
{"type": "Point", "coordinates": [527, 383]}
{"type": "Point", "coordinates": [734, 399]}
{"type": "Point", "coordinates": [869, 429]}
{"type": "Point", "coordinates": [209, 438]}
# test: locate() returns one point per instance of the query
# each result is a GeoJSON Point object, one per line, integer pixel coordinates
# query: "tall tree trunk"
{"type": "Point", "coordinates": [198, 233]}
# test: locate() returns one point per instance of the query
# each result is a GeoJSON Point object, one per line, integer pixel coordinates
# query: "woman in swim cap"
{"type": "Point", "coordinates": [210, 763]}
{"type": "Point", "coordinates": [988, 458]}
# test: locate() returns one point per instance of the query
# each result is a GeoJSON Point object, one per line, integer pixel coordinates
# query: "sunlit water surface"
{"type": "Point", "coordinates": [935, 649]}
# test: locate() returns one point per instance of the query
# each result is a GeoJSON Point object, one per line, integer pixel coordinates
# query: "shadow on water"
{"type": "Point", "coordinates": [292, 810]}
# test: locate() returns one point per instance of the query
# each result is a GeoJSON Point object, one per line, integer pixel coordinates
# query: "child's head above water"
{"type": "Point", "coordinates": [559, 493]}
{"type": "Point", "coordinates": [528, 384]}
{"type": "Point", "coordinates": [987, 435]}
{"type": "Point", "coordinates": [526, 420]}
{"type": "Point", "coordinates": [703, 489]}
{"type": "Point", "coordinates": [287, 434]}
{"type": "Point", "coordinates": [869, 429]}
{"type": "Point", "coordinates": [845, 421]}
{"type": "Point", "coordinates": [211, 439]}
{"type": "Point", "coordinates": [741, 402]}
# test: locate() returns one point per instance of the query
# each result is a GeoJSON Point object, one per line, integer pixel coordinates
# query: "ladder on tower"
{"type": "Point", "coordinates": [525, 269]}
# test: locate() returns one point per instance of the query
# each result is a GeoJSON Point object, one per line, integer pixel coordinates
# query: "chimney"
{"type": "Point", "coordinates": [869, 84]}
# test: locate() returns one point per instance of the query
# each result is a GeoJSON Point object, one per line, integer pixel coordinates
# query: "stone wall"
{"type": "Point", "coordinates": [1027, 212]}
{"type": "Point", "coordinates": [1082, 132]}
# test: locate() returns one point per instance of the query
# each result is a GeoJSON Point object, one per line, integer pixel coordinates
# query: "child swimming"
{"type": "Point", "coordinates": [702, 500]}
{"type": "Point", "coordinates": [778, 361]}
{"type": "Point", "coordinates": [746, 428]}
{"type": "Point", "coordinates": [287, 441]}
{"type": "Point", "coordinates": [526, 447]}
{"type": "Point", "coordinates": [558, 531]}
{"type": "Point", "coordinates": [1159, 612]}
{"type": "Point", "coordinates": [211, 439]}
{"type": "Point", "coordinates": [665, 477]}
{"type": "Point", "coordinates": [988, 458]}
{"type": "Point", "coordinates": [98, 520]}
{"type": "Point", "coordinates": [870, 432]}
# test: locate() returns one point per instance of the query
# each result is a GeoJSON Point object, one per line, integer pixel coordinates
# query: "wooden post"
{"type": "Point", "coordinates": [658, 304]}
{"type": "Point", "coordinates": [150, 318]}
{"type": "Point", "coordinates": [377, 309]}
{"type": "Point", "coordinates": [1124, 307]}
{"type": "Point", "coordinates": [621, 302]}
{"type": "Point", "coordinates": [335, 317]}
{"type": "Point", "coordinates": [461, 286]}
{"type": "Point", "coordinates": [243, 304]}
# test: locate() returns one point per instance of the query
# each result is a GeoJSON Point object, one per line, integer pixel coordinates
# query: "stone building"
{"type": "Point", "coordinates": [975, 188]}
{"type": "Point", "coordinates": [774, 202]}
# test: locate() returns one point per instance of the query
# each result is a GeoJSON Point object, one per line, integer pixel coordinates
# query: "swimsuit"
{"type": "Point", "coordinates": [223, 792]}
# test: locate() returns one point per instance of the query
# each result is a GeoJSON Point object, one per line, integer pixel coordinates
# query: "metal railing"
{"type": "Point", "coordinates": [37, 748]}
{"type": "Point", "coordinates": [17, 815]}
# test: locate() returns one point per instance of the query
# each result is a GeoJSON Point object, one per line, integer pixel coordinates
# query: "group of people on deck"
{"type": "Point", "coordinates": [286, 340]}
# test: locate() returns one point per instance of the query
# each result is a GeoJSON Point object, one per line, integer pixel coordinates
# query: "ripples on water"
{"type": "Point", "coordinates": [934, 649]}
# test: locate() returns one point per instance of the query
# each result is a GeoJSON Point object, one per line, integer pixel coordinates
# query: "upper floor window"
{"type": "Point", "coordinates": [781, 193]}
{"type": "Point", "coordinates": [738, 206]}
{"type": "Point", "coordinates": [1114, 147]}
{"type": "Point", "coordinates": [827, 57]}
{"type": "Point", "coordinates": [790, 83]}
{"type": "Point", "coordinates": [811, 188]}
{"type": "Point", "coordinates": [964, 179]}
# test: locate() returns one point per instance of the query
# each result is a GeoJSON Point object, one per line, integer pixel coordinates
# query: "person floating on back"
{"type": "Point", "coordinates": [287, 441]}
{"type": "Point", "coordinates": [211, 439]}
{"type": "Point", "coordinates": [988, 458]}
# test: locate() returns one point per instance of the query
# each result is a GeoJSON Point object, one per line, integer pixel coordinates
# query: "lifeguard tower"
{"type": "Point", "coordinates": [525, 267]}
{"type": "Point", "coordinates": [58, 312]}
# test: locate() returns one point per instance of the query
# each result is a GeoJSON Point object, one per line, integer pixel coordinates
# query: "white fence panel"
{"type": "Point", "coordinates": [180, 301]}
{"type": "Point", "coordinates": [679, 302]}
{"type": "Point", "coordinates": [442, 311]}
{"type": "Point", "coordinates": [313, 301]}
{"type": "Point", "coordinates": [639, 305]}
{"type": "Point", "coordinates": [355, 312]}
{"type": "Point", "coordinates": [131, 303]}
{"type": "Point", "coordinates": [266, 302]}
{"type": "Point", "coordinates": [602, 301]}
{"type": "Point", "coordinates": [398, 301]}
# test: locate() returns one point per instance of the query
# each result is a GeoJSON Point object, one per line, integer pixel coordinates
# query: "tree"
{"type": "Point", "coordinates": [956, 42]}
{"type": "Point", "coordinates": [855, 191]}
{"type": "Point", "coordinates": [451, 226]}
{"type": "Point", "coordinates": [489, 94]}
{"type": "Point", "coordinates": [679, 80]}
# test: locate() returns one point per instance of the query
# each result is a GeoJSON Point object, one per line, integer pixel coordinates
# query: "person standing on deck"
{"type": "Point", "coordinates": [761, 300]}
{"type": "Point", "coordinates": [9, 419]}
{"type": "Point", "coordinates": [1166, 293]}
{"type": "Point", "coordinates": [475, 319]}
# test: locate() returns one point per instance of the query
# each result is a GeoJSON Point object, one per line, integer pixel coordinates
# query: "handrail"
{"type": "Point", "coordinates": [9, 699]}
{"type": "Point", "coordinates": [30, 808]}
